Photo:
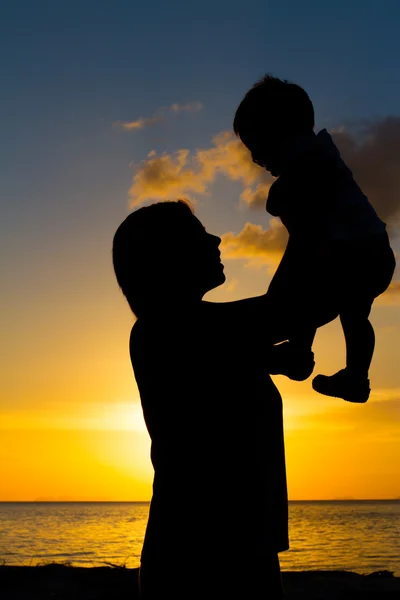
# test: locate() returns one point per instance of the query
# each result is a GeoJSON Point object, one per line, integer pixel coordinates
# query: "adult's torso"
{"type": "Point", "coordinates": [215, 421]}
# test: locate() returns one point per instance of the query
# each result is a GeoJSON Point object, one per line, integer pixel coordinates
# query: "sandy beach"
{"type": "Point", "coordinates": [61, 582]}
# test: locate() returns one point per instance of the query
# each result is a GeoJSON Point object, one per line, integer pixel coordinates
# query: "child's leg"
{"type": "Point", "coordinates": [360, 337]}
{"type": "Point", "coordinates": [298, 301]}
{"type": "Point", "coordinates": [352, 383]}
{"type": "Point", "coordinates": [363, 270]}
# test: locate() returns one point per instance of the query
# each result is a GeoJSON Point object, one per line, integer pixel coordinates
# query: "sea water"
{"type": "Point", "coordinates": [361, 536]}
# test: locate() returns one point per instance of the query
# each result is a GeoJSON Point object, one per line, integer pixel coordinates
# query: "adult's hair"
{"type": "Point", "coordinates": [274, 104]}
{"type": "Point", "coordinates": [145, 246]}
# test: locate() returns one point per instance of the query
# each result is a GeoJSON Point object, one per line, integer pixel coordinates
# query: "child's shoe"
{"type": "Point", "coordinates": [343, 385]}
{"type": "Point", "coordinates": [291, 360]}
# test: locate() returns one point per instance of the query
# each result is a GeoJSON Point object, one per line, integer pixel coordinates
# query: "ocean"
{"type": "Point", "coordinates": [361, 536]}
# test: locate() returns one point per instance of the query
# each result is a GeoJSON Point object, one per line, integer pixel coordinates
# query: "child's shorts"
{"type": "Point", "coordinates": [315, 281]}
{"type": "Point", "coordinates": [362, 269]}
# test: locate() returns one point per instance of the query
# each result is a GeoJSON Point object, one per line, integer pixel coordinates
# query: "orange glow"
{"type": "Point", "coordinates": [72, 427]}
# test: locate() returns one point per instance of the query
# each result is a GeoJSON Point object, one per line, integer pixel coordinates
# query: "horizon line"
{"type": "Point", "coordinates": [54, 501]}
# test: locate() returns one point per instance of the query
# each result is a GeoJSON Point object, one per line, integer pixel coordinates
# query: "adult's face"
{"type": "Point", "coordinates": [201, 259]}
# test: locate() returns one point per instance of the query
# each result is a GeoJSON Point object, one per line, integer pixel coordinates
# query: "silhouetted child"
{"type": "Point", "coordinates": [338, 251]}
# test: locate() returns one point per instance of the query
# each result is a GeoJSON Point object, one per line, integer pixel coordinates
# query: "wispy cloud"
{"type": "Point", "coordinates": [159, 116]}
{"type": "Point", "coordinates": [140, 123]}
{"type": "Point", "coordinates": [189, 107]}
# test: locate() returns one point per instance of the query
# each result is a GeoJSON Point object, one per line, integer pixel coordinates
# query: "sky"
{"type": "Point", "coordinates": [109, 105]}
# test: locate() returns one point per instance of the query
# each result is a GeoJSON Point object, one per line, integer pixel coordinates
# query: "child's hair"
{"type": "Point", "coordinates": [144, 248]}
{"type": "Point", "coordinates": [274, 104]}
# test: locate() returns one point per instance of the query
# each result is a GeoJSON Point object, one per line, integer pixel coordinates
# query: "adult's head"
{"type": "Point", "coordinates": [163, 256]}
{"type": "Point", "coordinates": [271, 114]}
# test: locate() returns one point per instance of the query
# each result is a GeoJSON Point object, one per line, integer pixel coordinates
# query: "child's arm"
{"type": "Point", "coordinates": [302, 196]}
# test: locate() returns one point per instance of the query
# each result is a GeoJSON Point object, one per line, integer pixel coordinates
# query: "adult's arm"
{"type": "Point", "coordinates": [256, 315]}
{"type": "Point", "coordinates": [258, 328]}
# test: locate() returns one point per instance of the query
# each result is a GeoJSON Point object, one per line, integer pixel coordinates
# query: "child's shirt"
{"type": "Point", "coordinates": [317, 196]}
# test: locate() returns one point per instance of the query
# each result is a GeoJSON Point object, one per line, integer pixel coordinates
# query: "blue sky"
{"type": "Point", "coordinates": [70, 69]}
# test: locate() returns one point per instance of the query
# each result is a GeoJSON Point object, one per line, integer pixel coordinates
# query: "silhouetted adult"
{"type": "Point", "coordinates": [218, 515]}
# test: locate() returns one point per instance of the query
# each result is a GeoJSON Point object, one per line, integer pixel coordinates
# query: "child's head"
{"type": "Point", "coordinates": [163, 256]}
{"type": "Point", "coordinates": [272, 112]}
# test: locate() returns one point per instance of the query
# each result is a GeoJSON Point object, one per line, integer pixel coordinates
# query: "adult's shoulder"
{"type": "Point", "coordinates": [151, 349]}
{"type": "Point", "coordinates": [204, 325]}
{"type": "Point", "coordinates": [137, 334]}
{"type": "Point", "coordinates": [145, 333]}
{"type": "Point", "coordinates": [165, 333]}
{"type": "Point", "coordinates": [145, 341]}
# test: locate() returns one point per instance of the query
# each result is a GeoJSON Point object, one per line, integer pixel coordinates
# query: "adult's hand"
{"type": "Point", "coordinates": [292, 360]}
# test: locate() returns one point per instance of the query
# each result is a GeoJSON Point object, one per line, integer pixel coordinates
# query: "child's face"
{"type": "Point", "coordinates": [266, 151]}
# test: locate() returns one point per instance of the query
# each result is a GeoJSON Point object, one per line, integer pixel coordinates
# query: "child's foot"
{"type": "Point", "coordinates": [343, 385]}
{"type": "Point", "coordinates": [291, 360]}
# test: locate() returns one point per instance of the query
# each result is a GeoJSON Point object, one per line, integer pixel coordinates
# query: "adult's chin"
{"type": "Point", "coordinates": [219, 279]}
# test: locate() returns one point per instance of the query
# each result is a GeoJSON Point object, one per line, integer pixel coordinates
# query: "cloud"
{"type": "Point", "coordinates": [159, 116]}
{"type": "Point", "coordinates": [231, 158]}
{"type": "Point", "coordinates": [257, 197]}
{"type": "Point", "coordinates": [189, 107]}
{"type": "Point", "coordinates": [254, 242]}
{"type": "Point", "coordinates": [166, 177]}
{"type": "Point", "coordinates": [372, 151]}
{"type": "Point", "coordinates": [182, 173]}
{"type": "Point", "coordinates": [140, 123]}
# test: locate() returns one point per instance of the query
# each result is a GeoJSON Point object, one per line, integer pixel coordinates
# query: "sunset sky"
{"type": "Point", "coordinates": [109, 105]}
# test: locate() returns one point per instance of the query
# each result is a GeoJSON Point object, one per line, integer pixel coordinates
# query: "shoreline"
{"type": "Point", "coordinates": [57, 581]}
